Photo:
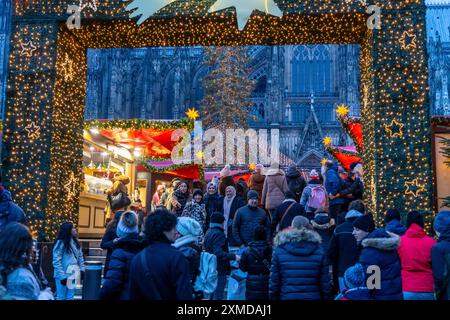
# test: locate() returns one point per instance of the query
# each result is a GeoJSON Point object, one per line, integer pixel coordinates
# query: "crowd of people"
{"type": "Point", "coordinates": [280, 238]}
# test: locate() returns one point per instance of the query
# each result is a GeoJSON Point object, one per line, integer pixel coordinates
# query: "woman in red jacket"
{"type": "Point", "coordinates": [415, 255]}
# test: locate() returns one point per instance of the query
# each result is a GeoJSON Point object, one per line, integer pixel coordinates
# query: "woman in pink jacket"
{"type": "Point", "coordinates": [415, 255]}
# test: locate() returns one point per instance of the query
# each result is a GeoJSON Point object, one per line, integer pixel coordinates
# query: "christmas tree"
{"type": "Point", "coordinates": [227, 88]}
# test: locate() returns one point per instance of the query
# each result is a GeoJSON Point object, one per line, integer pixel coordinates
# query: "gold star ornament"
{"type": "Point", "coordinates": [408, 41]}
{"type": "Point", "coordinates": [33, 130]}
{"type": "Point", "coordinates": [342, 110]}
{"type": "Point", "coordinates": [71, 187]}
{"type": "Point", "coordinates": [413, 188]}
{"type": "Point", "coordinates": [327, 141]}
{"type": "Point", "coordinates": [192, 114]}
{"type": "Point", "coordinates": [27, 49]}
{"type": "Point", "coordinates": [394, 128]}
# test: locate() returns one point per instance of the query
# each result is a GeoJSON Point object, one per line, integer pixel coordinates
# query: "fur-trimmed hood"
{"type": "Point", "coordinates": [322, 222]}
{"type": "Point", "coordinates": [382, 240]}
{"type": "Point", "coordinates": [275, 172]}
{"type": "Point", "coordinates": [292, 235]}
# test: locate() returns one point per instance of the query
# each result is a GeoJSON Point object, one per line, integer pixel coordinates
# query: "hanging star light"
{"type": "Point", "coordinates": [327, 141]}
{"type": "Point", "coordinates": [192, 114]}
{"type": "Point", "coordinates": [28, 49]}
{"type": "Point", "coordinates": [244, 9]}
{"type": "Point", "coordinates": [413, 188]}
{"type": "Point", "coordinates": [67, 67]}
{"type": "Point", "coordinates": [408, 40]}
{"type": "Point", "coordinates": [342, 110]}
{"type": "Point", "coordinates": [394, 128]}
{"type": "Point", "coordinates": [33, 130]}
{"type": "Point", "coordinates": [71, 187]}
{"type": "Point", "coordinates": [146, 8]}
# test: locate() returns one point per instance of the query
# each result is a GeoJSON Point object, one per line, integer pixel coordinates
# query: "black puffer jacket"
{"type": "Point", "coordinates": [343, 251]}
{"type": "Point", "coordinates": [116, 285]}
{"type": "Point", "coordinates": [299, 271]}
{"type": "Point", "coordinates": [295, 181]}
{"type": "Point", "coordinates": [257, 283]}
{"type": "Point", "coordinates": [246, 220]}
{"type": "Point", "coordinates": [216, 243]}
{"type": "Point", "coordinates": [213, 203]}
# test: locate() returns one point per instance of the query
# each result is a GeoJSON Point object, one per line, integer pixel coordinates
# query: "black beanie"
{"type": "Point", "coordinates": [365, 223]}
{"type": "Point", "coordinates": [217, 217]}
{"type": "Point", "coordinates": [392, 214]}
{"type": "Point", "coordinates": [414, 217]}
{"type": "Point", "coordinates": [196, 192]}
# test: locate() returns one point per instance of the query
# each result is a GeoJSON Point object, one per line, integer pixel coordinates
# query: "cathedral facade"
{"type": "Point", "coordinates": [297, 87]}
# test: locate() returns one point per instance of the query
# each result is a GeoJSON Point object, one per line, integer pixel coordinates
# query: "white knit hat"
{"type": "Point", "coordinates": [188, 226]}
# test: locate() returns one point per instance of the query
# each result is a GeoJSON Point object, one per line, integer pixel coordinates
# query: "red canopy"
{"type": "Point", "coordinates": [186, 171]}
{"type": "Point", "coordinates": [346, 155]}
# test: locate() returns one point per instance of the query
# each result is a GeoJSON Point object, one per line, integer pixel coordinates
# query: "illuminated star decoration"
{"type": "Point", "coordinates": [323, 162]}
{"type": "Point", "coordinates": [192, 114]}
{"type": "Point", "coordinates": [413, 188]}
{"type": "Point", "coordinates": [71, 186]}
{"type": "Point", "coordinates": [68, 70]}
{"type": "Point", "coordinates": [88, 4]}
{"type": "Point", "coordinates": [365, 95]}
{"type": "Point", "coordinates": [407, 40]}
{"type": "Point", "coordinates": [342, 110]}
{"type": "Point", "coordinates": [199, 155]}
{"type": "Point", "coordinates": [245, 8]}
{"type": "Point", "coordinates": [33, 130]}
{"type": "Point", "coordinates": [252, 166]}
{"type": "Point", "coordinates": [146, 8]}
{"type": "Point", "coordinates": [394, 129]}
{"type": "Point", "coordinates": [327, 141]}
{"type": "Point", "coordinates": [28, 49]}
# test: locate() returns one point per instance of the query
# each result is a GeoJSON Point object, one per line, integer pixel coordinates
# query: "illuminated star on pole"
{"type": "Point", "coordinates": [192, 114]}
{"type": "Point", "coordinates": [342, 110]}
{"type": "Point", "coordinates": [245, 8]}
{"type": "Point", "coordinates": [327, 141]}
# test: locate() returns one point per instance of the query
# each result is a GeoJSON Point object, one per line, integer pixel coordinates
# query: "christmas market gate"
{"type": "Point", "coordinates": [43, 128]}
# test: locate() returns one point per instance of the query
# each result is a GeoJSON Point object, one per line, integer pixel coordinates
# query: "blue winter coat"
{"type": "Point", "coordinates": [216, 243]}
{"type": "Point", "coordinates": [116, 284]}
{"type": "Point", "coordinates": [299, 271]}
{"type": "Point", "coordinates": [245, 223]}
{"type": "Point", "coordinates": [9, 211]}
{"type": "Point", "coordinates": [257, 283]}
{"type": "Point", "coordinates": [396, 227]}
{"type": "Point", "coordinates": [167, 276]}
{"type": "Point", "coordinates": [440, 256]}
{"type": "Point", "coordinates": [333, 184]}
{"type": "Point", "coordinates": [380, 249]}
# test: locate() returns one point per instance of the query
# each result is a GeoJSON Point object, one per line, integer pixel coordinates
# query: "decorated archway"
{"type": "Point", "coordinates": [47, 86]}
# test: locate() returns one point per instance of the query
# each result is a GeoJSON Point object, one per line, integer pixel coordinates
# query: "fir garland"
{"type": "Point", "coordinates": [137, 124]}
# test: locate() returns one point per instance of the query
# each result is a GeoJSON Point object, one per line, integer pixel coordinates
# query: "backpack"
{"type": "Point", "coordinates": [207, 279]}
{"type": "Point", "coordinates": [318, 198]}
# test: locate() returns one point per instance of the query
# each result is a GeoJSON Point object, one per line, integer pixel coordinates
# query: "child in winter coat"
{"type": "Point", "coordinates": [256, 262]}
{"type": "Point", "coordinates": [355, 285]}
{"type": "Point", "coordinates": [68, 262]}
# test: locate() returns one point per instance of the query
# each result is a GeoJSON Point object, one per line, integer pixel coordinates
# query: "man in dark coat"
{"type": "Point", "coordinates": [213, 202]}
{"type": "Point", "coordinates": [393, 224]}
{"type": "Point", "coordinates": [283, 217]}
{"type": "Point", "coordinates": [380, 249]}
{"type": "Point", "coordinates": [343, 251]}
{"type": "Point", "coordinates": [247, 219]}
{"type": "Point", "coordinates": [216, 243]}
{"type": "Point", "coordinates": [299, 271]}
{"type": "Point", "coordinates": [9, 211]}
{"type": "Point", "coordinates": [333, 185]}
{"type": "Point", "coordinates": [160, 271]}
{"type": "Point", "coordinates": [295, 181]}
{"type": "Point", "coordinates": [440, 256]}
{"type": "Point", "coordinates": [116, 285]}
{"type": "Point", "coordinates": [255, 260]}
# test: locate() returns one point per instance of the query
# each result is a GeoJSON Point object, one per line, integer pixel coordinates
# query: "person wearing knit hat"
{"type": "Point", "coordinates": [314, 175]}
{"type": "Point", "coordinates": [320, 193]}
{"type": "Point", "coordinates": [301, 222]}
{"type": "Point", "coordinates": [252, 194]}
{"type": "Point", "coordinates": [213, 202]}
{"type": "Point", "coordinates": [393, 224]}
{"type": "Point", "coordinates": [439, 255]}
{"type": "Point", "coordinates": [196, 209]}
{"type": "Point", "coordinates": [115, 284]}
{"type": "Point", "coordinates": [355, 284]}
{"type": "Point", "coordinates": [225, 180]}
{"type": "Point", "coordinates": [128, 224]}
{"type": "Point", "coordinates": [363, 226]}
